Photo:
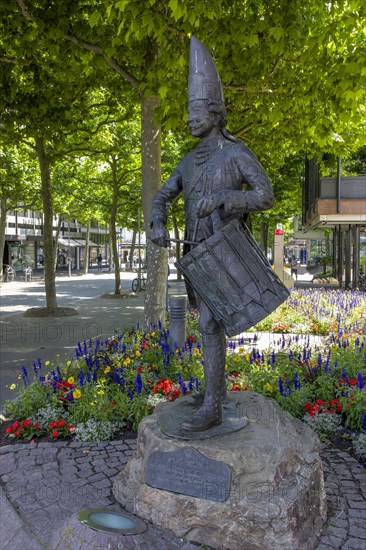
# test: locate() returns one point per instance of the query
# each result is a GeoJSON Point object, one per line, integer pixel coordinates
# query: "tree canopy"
{"type": "Point", "coordinates": [293, 74]}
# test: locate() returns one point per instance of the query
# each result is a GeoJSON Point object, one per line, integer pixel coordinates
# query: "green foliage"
{"type": "Point", "coordinates": [354, 407]}
{"type": "Point", "coordinates": [323, 424]}
{"type": "Point", "coordinates": [30, 400]}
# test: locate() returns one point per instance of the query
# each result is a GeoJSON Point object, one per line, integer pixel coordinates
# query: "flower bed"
{"type": "Point", "coordinates": [110, 386]}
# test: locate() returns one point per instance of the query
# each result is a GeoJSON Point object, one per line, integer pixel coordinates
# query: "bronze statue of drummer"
{"type": "Point", "coordinates": [221, 180]}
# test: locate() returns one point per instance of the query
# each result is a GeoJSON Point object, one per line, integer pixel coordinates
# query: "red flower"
{"type": "Point", "coordinates": [139, 368]}
{"type": "Point", "coordinates": [9, 430]}
{"type": "Point", "coordinates": [314, 410]}
{"type": "Point", "coordinates": [17, 432]}
{"type": "Point", "coordinates": [15, 425]}
{"type": "Point", "coordinates": [37, 426]}
{"type": "Point", "coordinates": [113, 403]}
{"type": "Point", "coordinates": [353, 381]}
{"type": "Point", "coordinates": [70, 428]}
{"type": "Point", "coordinates": [27, 422]}
{"type": "Point", "coordinates": [61, 423]}
{"type": "Point", "coordinates": [163, 386]}
{"type": "Point", "coordinates": [235, 387]}
{"type": "Point", "coordinates": [53, 425]}
{"type": "Point", "coordinates": [54, 433]}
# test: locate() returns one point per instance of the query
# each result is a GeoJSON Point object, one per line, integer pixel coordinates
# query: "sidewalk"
{"type": "Point", "coordinates": [45, 485]}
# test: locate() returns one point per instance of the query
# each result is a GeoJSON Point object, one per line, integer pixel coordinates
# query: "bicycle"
{"type": "Point", "coordinates": [28, 273]}
{"type": "Point", "coordinates": [362, 281]}
{"type": "Point", "coordinates": [9, 274]}
{"type": "Point", "coordinates": [139, 283]}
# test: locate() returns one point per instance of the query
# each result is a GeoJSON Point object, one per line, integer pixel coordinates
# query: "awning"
{"type": "Point", "coordinates": [72, 243]}
{"type": "Point", "coordinates": [82, 242]}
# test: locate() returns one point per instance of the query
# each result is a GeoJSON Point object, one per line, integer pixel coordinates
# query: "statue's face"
{"type": "Point", "coordinates": [201, 122]}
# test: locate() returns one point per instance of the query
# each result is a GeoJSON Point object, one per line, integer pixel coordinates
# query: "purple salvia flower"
{"type": "Point", "coordinates": [182, 384]}
{"type": "Point", "coordinates": [360, 381]}
{"type": "Point", "coordinates": [138, 384]}
{"type": "Point", "coordinates": [297, 384]}
{"type": "Point", "coordinates": [81, 378]}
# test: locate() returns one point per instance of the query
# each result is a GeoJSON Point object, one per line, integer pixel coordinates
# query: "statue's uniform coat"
{"type": "Point", "coordinates": [221, 166]}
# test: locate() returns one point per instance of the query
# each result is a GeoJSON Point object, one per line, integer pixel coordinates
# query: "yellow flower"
{"type": "Point", "coordinates": [107, 369]}
{"type": "Point", "coordinates": [137, 353]}
{"type": "Point", "coordinates": [92, 403]}
{"type": "Point", "coordinates": [71, 380]}
{"type": "Point", "coordinates": [241, 350]}
{"type": "Point", "coordinates": [127, 361]}
{"type": "Point", "coordinates": [196, 351]}
{"type": "Point", "coordinates": [68, 363]}
{"type": "Point", "coordinates": [101, 392]}
{"type": "Point", "coordinates": [76, 394]}
{"type": "Point", "coordinates": [267, 388]}
{"type": "Point", "coordinates": [153, 334]}
{"type": "Point", "coordinates": [13, 386]}
{"type": "Point", "coordinates": [47, 363]}
{"type": "Point", "coordinates": [247, 356]}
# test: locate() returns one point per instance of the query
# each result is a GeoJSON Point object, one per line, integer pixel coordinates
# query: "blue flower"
{"type": "Point", "coordinates": [24, 376]}
{"type": "Point", "coordinates": [297, 384]}
{"type": "Point", "coordinates": [138, 383]}
{"type": "Point", "coordinates": [130, 394]}
{"type": "Point", "coordinates": [360, 381]}
{"type": "Point", "coordinates": [182, 384]}
{"type": "Point", "coordinates": [81, 378]}
{"type": "Point", "coordinates": [280, 386]}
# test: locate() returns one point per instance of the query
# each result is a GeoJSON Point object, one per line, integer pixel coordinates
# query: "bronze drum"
{"type": "Point", "coordinates": [234, 278]}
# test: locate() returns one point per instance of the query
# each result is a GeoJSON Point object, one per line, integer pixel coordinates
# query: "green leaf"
{"type": "Point", "coordinates": [253, 40]}
{"type": "Point", "coordinates": [94, 18]}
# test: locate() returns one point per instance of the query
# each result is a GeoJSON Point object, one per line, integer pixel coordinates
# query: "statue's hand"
{"type": "Point", "coordinates": [207, 205]}
{"type": "Point", "coordinates": [159, 235]}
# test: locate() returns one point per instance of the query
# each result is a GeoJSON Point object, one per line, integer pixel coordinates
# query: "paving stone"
{"type": "Point", "coordinates": [335, 542]}
{"type": "Point", "coordinates": [7, 464]}
{"type": "Point", "coordinates": [356, 504]}
{"type": "Point", "coordinates": [358, 532]}
{"type": "Point", "coordinates": [336, 532]}
{"type": "Point", "coordinates": [354, 544]}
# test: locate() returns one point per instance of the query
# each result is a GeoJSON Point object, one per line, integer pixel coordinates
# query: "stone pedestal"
{"type": "Point", "coordinates": [257, 488]}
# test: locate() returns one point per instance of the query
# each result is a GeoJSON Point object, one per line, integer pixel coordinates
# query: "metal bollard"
{"type": "Point", "coordinates": [178, 314]}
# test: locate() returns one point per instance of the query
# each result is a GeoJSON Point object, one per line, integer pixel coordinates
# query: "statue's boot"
{"type": "Point", "coordinates": [198, 398]}
{"type": "Point", "coordinates": [210, 413]}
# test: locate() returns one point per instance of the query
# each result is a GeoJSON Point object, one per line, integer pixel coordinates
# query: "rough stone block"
{"type": "Point", "coordinates": [277, 497]}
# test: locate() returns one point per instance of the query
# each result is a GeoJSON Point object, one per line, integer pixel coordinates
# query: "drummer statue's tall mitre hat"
{"type": "Point", "coordinates": [204, 81]}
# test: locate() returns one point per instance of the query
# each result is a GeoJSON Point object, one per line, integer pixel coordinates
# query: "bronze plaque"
{"type": "Point", "coordinates": [189, 472]}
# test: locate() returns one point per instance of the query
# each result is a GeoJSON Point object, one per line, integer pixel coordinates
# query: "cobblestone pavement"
{"type": "Point", "coordinates": [49, 483]}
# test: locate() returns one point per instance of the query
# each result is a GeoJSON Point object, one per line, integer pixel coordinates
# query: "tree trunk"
{"type": "Point", "coordinates": [58, 229]}
{"type": "Point", "coordinates": [3, 211]}
{"type": "Point", "coordinates": [49, 248]}
{"type": "Point", "coordinates": [157, 258]}
{"type": "Point", "coordinates": [113, 233]}
{"type": "Point", "coordinates": [264, 237]}
{"type": "Point", "coordinates": [87, 250]}
{"type": "Point", "coordinates": [132, 250]}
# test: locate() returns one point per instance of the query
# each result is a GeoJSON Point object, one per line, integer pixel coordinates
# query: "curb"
{"type": "Point", "coordinates": [15, 533]}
